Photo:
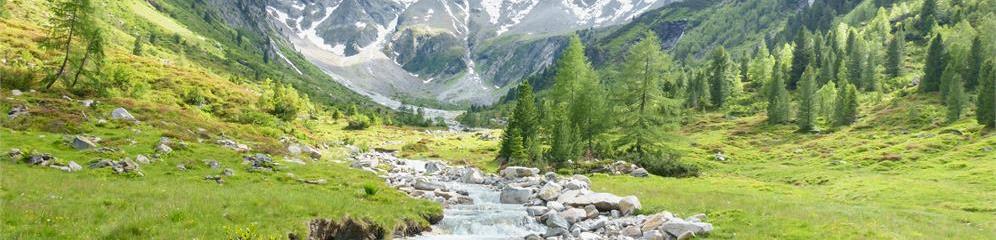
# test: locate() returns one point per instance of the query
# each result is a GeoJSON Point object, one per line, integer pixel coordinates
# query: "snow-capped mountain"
{"type": "Point", "coordinates": [447, 50]}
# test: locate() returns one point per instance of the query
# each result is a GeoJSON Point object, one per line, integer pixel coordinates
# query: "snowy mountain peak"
{"type": "Point", "coordinates": [431, 48]}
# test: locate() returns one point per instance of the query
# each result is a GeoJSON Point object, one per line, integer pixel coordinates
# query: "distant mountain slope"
{"type": "Point", "coordinates": [451, 51]}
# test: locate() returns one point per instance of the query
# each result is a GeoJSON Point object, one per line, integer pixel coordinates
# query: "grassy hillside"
{"type": "Point", "coordinates": [195, 84]}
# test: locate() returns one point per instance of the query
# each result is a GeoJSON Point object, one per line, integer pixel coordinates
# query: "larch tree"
{"type": "Point", "coordinates": [641, 100]}
{"type": "Point", "coordinates": [778, 100]}
{"type": "Point", "coordinates": [806, 116]}
{"type": "Point", "coordinates": [73, 25]}
{"type": "Point", "coordinates": [955, 98]}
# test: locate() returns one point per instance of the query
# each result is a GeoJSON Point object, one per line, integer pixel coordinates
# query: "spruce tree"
{"type": "Point", "coordinates": [806, 116]}
{"type": "Point", "coordinates": [985, 106]}
{"type": "Point", "coordinates": [697, 92]}
{"type": "Point", "coordinates": [563, 143]}
{"type": "Point", "coordinates": [933, 69]}
{"type": "Point", "coordinates": [928, 18]}
{"type": "Point", "coordinates": [856, 58]}
{"type": "Point", "coordinates": [955, 98]}
{"type": "Point", "coordinates": [802, 57]}
{"type": "Point", "coordinates": [975, 60]}
{"type": "Point", "coordinates": [719, 84]}
{"type": "Point", "coordinates": [643, 110]}
{"type": "Point", "coordinates": [895, 55]}
{"type": "Point", "coordinates": [846, 108]}
{"type": "Point", "coordinates": [778, 100]}
{"type": "Point", "coordinates": [517, 153]}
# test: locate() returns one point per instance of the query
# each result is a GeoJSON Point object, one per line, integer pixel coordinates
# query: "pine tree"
{"type": "Point", "coordinates": [928, 12]}
{"type": "Point", "coordinates": [802, 57]}
{"type": "Point", "coordinates": [975, 60]}
{"type": "Point", "coordinates": [955, 98]}
{"type": "Point", "coordinates": [985, 106]}
{"type": "Point", "coordinates": [894, 62]}
{"type": "Point", "coordinates": [719, 83]}
{"type": "Point", "coordinates": [778, 100]}
{"type": "Point", "coordinates": [643, 110]}
{"type": "Point", "coordinates": [806, 117]}
{"type": "Point", "coordinates": [934, 66]}
{"type": "Point", "coordinates": [827, 97]}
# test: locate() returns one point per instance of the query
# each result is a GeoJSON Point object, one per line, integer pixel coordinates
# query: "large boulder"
{"type": "Point", "coordinates": [515, 195]}
{"type": "Point", "coordinates": [654, 221]}
{"type": "Point", "coordinates": [680, 227]}
{"type": "Point", "coordinates": [433, 167]}
{"type": "Point", "coordinates": [424, 184]}
{"type": "Point", "coordinates": [556, 224]}
{"type": "Point", "coordinates": [122, 114]}
{"type": "Point", "coordinates": [472, 175]}
{"type": "Point", "coordinates": [573, 215]}
{"type": "Point", "coordinates": [312, 152]}
{"type": "Point", "coordinates": [534, 211]}
{"type": "Point", "coordinates": [629, 205]}
{"type": "Point", "coordinates": [640, 172]}
{"type": "Point", "coordinates": [83, 143]}
{"type": "Point", "coordinates": [518, 172]}
{"type": "Point", "coordinates": [550, 191]}
{"type": "Point", "coordinates": [580, 198]}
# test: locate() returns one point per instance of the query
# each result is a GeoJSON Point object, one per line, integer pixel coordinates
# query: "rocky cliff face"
{"type": "Point", "coordinates": [446, 50]}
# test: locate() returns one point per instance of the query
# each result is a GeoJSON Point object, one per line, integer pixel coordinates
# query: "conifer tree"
{"type": "Point", "coordinates": [955, 98]}
{"type": "Point", "coordinates": [802, 57]}
{"type": "Point", "coordinates": [856, 58]}
{"type": "Point", "coordinates": [517, 154]}
{"type": "Point", "coordinates": [138, 48]}
{"type": "Point", "coordinates": [806, 116]}
{"type": "Point", "coordinates": [933, 69]}
{"type": "Point", "coordinates": [846, 108]}
{"type": "Point", "coordinates": [719, 84]}
{"type": "Point", "coordinates": [928, 18]}
{"type": "Point", "coordinates": [697, 91]}
{"type": "Point", "coordinates": [975, 60]}
{"type": "Point", "coordinates": [563, 143]}
{"type": "Point", "coordinates": [895, 55]}
{"type": "Point", "coordinates": [827, 97]}
{"type": "Point", "coordinates": [985, 106]}
{"type": "Point", "coordinates": [72, 25]}
{"type": "Point", "coordinates": [573, 73]}
{"type": "Point", "coordinates": [642, 107]}
{"type": "Point", "coordinates": [778, 100]}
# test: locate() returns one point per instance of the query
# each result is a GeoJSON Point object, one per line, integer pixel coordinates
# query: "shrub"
{"type": "Point", "coordinates": [667, 165]}
{"type": "Point", "coordinates": [17, 77]}
{"type": "Point", "coordinates": [358, 122]}
{"type": "Point", "coordinates": [370, 189]}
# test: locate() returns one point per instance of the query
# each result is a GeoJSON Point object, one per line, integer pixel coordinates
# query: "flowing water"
{"type": "Point", "coordinates": [487, 218]}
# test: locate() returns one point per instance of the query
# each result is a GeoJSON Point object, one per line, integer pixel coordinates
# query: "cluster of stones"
{"type": "Point", "coordinates": [566, 205]}
{"type": "Point", "coordinates": [626, 168]}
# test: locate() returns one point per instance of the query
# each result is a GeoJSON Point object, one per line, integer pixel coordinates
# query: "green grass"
{"type": "Point", "coordinates": [838, 185]}
{"type": "Point", "coordinates": [167, 203]}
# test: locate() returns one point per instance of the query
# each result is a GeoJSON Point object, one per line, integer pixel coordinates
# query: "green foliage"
{"type": "Point", "coordinates": [370, 190]}
{"type": "Point", "coordinates": [576, 95]}
{"type": "Point", "coordinates": [857, 59]}
{"type": "Point", "coordinates": [358, 122]}
{"type": "Point", "coordinates": [282, 101]}
{"type": "Point", "coordinates": [666, 165]}
{"type": "Point", "coordinates": [778, 100]}
{"type": "Point", "coordinates": [955, 98]}
{"type": "Point", "coordinates": [720, 83]}
{"type": "Point", "coordinates": [643, 112]}
{"type": "Point", "coordinates": [975, 61]}
{"type": "Point", "coordinates": [802, 57]}
{"type": "Point", "coordinates": [521, 143]}
{"type": "Point", "coordinates": [826, 99]}
{"type": "Point", "coordinates": [139, 47]}
{"type": "Point", "coordinates": [928, 17]}
{"type": "Point", "coordinates": [934, 66]}
{"type": "Point", "coordinates": [72, 25]}
{"type": "Point", "coordinates": [697, 92]}
{"type": "Point", "coordinates": [846, 108]}
{"type": "Point", "coordinates": [896, 55]}
{"type": "Point", "coordinates": [806, 116]}
{"type": "Point", "coordinates": [17, 76]}
{"type": "Point", "coordinates": [985, 105]}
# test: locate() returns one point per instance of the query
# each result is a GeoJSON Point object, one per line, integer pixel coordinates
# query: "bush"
{"type": "Point", "coordinates": [358, 122]}
{"type": "Point", "coordinates": [17, 77]}
{"type": "Point", "coordinates": [667, 165]}
{"type": "Point", "coordinates": [370, 189]}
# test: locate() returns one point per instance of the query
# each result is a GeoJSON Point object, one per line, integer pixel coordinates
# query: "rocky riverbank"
{"type": "Point", "coordinates": [522, 203]}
